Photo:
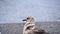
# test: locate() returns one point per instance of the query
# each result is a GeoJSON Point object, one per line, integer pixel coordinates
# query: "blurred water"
{"type": "Point", "coordinates": [16, 10]}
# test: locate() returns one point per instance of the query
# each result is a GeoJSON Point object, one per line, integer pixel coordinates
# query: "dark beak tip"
{"type": "Point", "coordinates": [24, 20]}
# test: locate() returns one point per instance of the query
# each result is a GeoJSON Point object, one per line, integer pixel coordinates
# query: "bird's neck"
{"type": "Point", "coordinates": [27, 23]}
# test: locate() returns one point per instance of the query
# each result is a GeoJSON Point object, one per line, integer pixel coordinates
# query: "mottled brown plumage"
{"type": "Point", "coordinates": [30, 28]}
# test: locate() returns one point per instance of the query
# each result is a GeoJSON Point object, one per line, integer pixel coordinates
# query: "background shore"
{"type": "Point", "coordinates": [17, 28]}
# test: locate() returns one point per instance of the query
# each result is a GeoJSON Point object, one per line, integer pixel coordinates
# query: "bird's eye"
{"type": "Point", "coordinates": [28, 18]}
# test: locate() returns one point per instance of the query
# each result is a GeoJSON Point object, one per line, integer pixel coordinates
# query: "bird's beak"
{"type": "Point", "coordinates": [24, 20]}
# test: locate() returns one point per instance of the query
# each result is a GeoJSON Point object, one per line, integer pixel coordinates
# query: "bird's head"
{"type": "Point", "coordinates": [29, 19]}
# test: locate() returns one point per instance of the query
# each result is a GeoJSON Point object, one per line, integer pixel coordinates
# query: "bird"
{"type": "Point", "coordinates": [30, 27]}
